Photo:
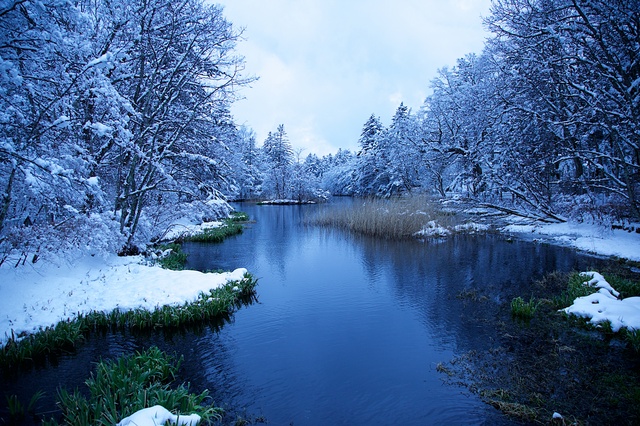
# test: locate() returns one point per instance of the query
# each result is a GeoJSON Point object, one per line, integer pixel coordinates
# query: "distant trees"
{"type": "Point", "coordinates": [278, 155]}
{"type": "Point", "coordinates": [110, 110]}
{"type": "Point", "coordinates": [545, 120]}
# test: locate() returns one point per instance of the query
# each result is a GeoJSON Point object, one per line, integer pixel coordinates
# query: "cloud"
{"type": "Point", "coordinates": [326, 65]}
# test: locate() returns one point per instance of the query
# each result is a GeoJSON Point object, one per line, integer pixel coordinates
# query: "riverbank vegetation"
{"type": "Point", "coordinates": [66, 335]}
{"type": "Point", "coordinates": [171, 256]}
{"type": "Point", "coordinates": [391, 218]}
{"type": "Point", "coordinates": [553, 362]}
{"type": "Point", "coordinates": [119, 388]}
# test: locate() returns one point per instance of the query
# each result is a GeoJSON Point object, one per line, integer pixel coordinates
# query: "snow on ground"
{"type": "Point", "coordinates": [158, 415]}
{"type": "Point", "coordinates": [594, 239]}
{"type": "Point", "coordinates": [605, 305]}
{"type": "Point", "coordinates": [38, 295]}
{"type": "Point", "coordinates": [185, 228]}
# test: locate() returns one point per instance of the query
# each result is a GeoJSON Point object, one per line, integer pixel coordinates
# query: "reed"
{"type": "Point", "coordinates": [217, 303]}
{"type": "Point", "coordinates": [120, 387]}
{"type": "Point", "coordinates": [217, 235]}
{"type": "Point", "coordinates": [524, 310]}
{"type": "Point", "coordinates": [392, 218]}
{"type": "Point", "coordinates": [175, 260]}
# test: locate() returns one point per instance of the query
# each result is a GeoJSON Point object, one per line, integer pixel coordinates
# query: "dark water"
{"type": "Point", "coordinates": [347, 330]}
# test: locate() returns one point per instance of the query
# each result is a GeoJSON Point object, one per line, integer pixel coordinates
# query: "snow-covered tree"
{"type": "Point", "coordinates": [278, 155]}
{"type": "Point", "coordinates": [108, 109]}
{"type": "Point", "coordinates": [574, 65]}
{"type": "Point", "coordinates": [368, 163]}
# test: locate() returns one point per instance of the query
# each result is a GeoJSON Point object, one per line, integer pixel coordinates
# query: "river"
{"type": "Point", "coordinates": [346, 330]}
{"type": "Point", "coordinates": [350, 329]}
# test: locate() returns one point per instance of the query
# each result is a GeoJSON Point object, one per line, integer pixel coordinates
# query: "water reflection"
{"type": "Point", "coordinates": [350, 329]}
{"type": "Point", "coordinates": [347, 329]}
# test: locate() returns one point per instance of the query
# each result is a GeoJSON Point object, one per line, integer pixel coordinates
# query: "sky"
{"type": "Point", "coordinates": [324, 66]}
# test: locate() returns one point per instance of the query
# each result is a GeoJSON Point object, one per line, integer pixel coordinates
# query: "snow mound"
{"type": "Point", "coordinates": [157, 416]}
{"type": "Point", "coordinates": [605, 306]}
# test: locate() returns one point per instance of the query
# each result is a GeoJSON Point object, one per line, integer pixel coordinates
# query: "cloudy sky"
{"type": "Point", "coordinates": [325, 66]}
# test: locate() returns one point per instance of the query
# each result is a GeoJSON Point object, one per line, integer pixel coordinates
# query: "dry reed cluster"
{"type": "Point", "coordinates": [390, 218]}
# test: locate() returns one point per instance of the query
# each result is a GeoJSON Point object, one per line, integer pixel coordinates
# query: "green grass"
{"type": "Point", "coordinates": [175, 260]}
{"type": "Point", "coordinates": [576, 288]}
{"type": "Point", "coordinates": [17, 411]}
{"type": "Point", "coordinates": [120, 387]}
{"type": "Point", "coordinates": [239, 217]}
{"type": "Point", "coordinates": [524, 310]}
{"type": "Point", "coordinates": [216, 235]}
{"type": "Point", "coordinates": [63, 337]}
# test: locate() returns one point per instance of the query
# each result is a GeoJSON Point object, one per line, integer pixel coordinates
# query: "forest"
{"type": "Point", "coordinates": [115, 120]}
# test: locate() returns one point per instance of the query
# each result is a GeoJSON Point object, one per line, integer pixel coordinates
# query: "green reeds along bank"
{"type": "Point", "coordinates": [120, 387]}
{"type": "Point", "coordinates": [217, 303]}
{"type": "Point", "coordinates": [175, 260]}
{"type": "Point", "coordinates": [216, 235]}
{"type": "Point", "coordinates": [524, 310]}
{"type": "Point", "coordinates": [239, 217]}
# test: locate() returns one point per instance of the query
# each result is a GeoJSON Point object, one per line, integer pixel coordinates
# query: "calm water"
{"type": "Point", "coordinates": [346, 331]}
{"type": "Point", "coordinates": [349, 330]}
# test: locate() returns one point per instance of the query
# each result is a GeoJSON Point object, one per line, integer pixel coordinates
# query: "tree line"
{"type": "Point", "coordinates": [115, 119]}
{"type": "Point", "coordinates": [114, 115]}
{"type": "Point", "coordinates": [544, 122]}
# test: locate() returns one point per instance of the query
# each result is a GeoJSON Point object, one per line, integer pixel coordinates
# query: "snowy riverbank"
{"type": "Point", "coordinates": [38, 295]}
{"type": "Point", "coordinates": [595, 239]}
{"type": "Point", "coordinates": [41, 294]}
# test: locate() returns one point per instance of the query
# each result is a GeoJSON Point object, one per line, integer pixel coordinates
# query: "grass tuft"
{"type": "Point", "coordinates": [575, 288]}
{"type": "Point", "coordinates": [175, 258]}
{"type": "Point", "coordinates": [632, 337]}
{"type": "Point", "coordinates": [524, 310]}
{"type": "Point", "coordinates": [120, 387]}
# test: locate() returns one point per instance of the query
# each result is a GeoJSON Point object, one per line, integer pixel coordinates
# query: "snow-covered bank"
{"type": "Point", "coordinates": [39, 295]}
{"type": "Point", "coordinates": [590, 238]}
{"type": "Point", "coordinates": [605, 305]}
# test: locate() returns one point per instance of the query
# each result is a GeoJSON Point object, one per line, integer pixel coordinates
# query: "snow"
{"type": "Point", "coordinates": [604, 305]}
{"type": "Point", "coordinates": [39, 295]}
{"type": "Point", "coordinates": [594, 239]}
{"type": "Point", "coordinates": [158, 416]}
{"type": "Point", "coordinates": [184, 227]}
{"type": "Point", "coordinates": [100, 129]}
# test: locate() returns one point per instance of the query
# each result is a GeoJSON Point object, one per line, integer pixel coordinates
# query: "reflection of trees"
{"type": "Point", "coordinates": [459, 284]}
